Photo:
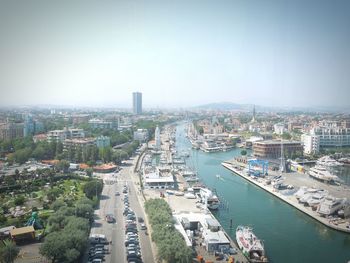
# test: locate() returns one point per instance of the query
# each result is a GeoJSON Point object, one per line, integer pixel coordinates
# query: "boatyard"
{"type": "Point", "coordinates": [295, 181]}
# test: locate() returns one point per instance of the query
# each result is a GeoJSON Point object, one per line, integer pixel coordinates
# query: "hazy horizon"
{"type": "Point", "coordinates": [178, 54]}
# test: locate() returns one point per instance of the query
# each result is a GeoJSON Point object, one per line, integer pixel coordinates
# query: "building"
{"type": "Point", "coordinates": [137, 102]}
{"type": "Point", "coordinates": [141, 135]}
{"type": "Point", "coordinates": [31, 126]}
{"type": "Point", "coordinates": [156, 179]}
{"type": "Point", "coordinates": [103, 142]}
{"type": "Point", "coordinates": [78, 142]}
{"type": "Point", "coordinates": [279, 128]}
{"type": "Point", "coordinates": [9, 131]}
{"type": "Point", "coordinates": [39, 137]}
{"type": "Point", "coordinates": [311, 143]}
{"type": "Point", "coordinates": [100, 124]}
{"type": "Point", "coordinates": [22, 234]}
{"type": "Point", "coordinates": [272, 148]}
{"type": "Point", "coordinates": [323, 137]}
{"type": "Point", "coordinates": [61, 135]}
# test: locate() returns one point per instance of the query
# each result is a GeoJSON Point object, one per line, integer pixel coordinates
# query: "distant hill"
{"type": "Point", "coordinates": [230, 106]}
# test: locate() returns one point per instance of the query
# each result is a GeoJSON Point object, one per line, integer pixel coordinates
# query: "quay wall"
{"type": "Point", "coordinates": [289, 200]}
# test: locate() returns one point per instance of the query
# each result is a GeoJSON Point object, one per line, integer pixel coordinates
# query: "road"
{"type": "Point", "coordinates": [112, 204]}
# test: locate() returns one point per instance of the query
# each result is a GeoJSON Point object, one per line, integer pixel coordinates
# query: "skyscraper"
{"type": "Point", "coordinates": [137, 102]}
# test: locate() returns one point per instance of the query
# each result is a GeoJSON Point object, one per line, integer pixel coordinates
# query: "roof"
{"type": "Point", "coordinates": [212, 222]}
{"type": "Point", "coordinates": [167, 179]}
{"type": "Point", "coordinates": [215, 237]}
{"type": "Point", "coordinates": [22, 230]}
{"type": "Point", "coordinates": [105, 166]}
{"type": "Point", "coordinates": [274, 142]}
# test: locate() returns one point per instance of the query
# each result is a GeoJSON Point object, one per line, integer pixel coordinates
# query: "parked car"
{"type": "Point", "coordinates": [140, 219]}
{"type": "Point", "coordinates": [143, 226]}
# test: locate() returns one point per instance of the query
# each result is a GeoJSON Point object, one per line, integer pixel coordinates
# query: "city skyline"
{"type": "Point", "coordinates": [288, 54]}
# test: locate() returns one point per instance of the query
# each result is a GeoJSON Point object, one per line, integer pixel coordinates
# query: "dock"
{"type": "Point", "coordinates": [343, 225]}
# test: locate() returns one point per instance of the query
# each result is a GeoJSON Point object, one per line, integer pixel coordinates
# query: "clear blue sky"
{"type": "Point", "coordinates": [177, 53]}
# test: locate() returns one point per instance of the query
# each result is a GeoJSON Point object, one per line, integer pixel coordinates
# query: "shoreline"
{"type": "Point", "coordinates": [287, 199]}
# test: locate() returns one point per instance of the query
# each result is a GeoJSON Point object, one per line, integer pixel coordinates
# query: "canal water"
{"type": "Point", "coordinates": [288, 234]}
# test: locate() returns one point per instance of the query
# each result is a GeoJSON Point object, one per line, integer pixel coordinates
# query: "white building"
{"type": "Point", "coordinates": [156, 179]}
{"type": "Point", "coordinates": [311, 143]}
{"type": "Point", "coordinates": [325, 137]}
{"type": "Point", "coordinates": [141, 135]}
{"type": "Point", "coordinates": [61, 135]}
{"type": "Point", "coordinates": [279, 128]}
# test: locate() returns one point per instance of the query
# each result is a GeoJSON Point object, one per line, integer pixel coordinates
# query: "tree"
{"type": "Point", "coordinates": [93, 188]}
{"type": "Point", "coordinates": [243, 152]}
{"type": "Point", "coordinates": [201, 130]}
{"type": "Point", "coordinates": [89, 171]}
{"type": "Point", "coordinates": [8, 251]}
{"type": "Point", "coordinates": [19, 200]}
{"type": "Point", "coordinates": [63, 166]}
{"type": "Point", "coordinates": [57, 205]}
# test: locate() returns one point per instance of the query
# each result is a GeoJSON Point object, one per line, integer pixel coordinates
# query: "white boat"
{"type": "Point", "coordinates": [192, 179]}
{"type": "Point", "coordinates": [321, 173]}
{"type": "Point", "coordinates": [300, 192]}
{"type": "Point", "coordinates": [328, 161]}
{"type": "Point", "coordinates": [209, 198]}
{"type": "Point", "coordinates": [308, 195]}
{"type": "Point", "coordinates": [189, 196]}
{"type": "Point", "coordinates": [317, 198]}
{"type": "Point", "coordinates": [251, 246]}
{"type": "Point", "coordinates": [330, 205]}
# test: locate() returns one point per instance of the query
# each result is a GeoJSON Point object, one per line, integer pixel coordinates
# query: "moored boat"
{"type": "Point", "coordinates": [251, 246]}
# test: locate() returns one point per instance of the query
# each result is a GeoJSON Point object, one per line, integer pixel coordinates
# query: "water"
{"type": "Point", "coordinates": [289, 235]}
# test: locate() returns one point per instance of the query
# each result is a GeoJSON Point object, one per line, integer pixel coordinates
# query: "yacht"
{"type": "Point", "coordinates": [328, 161]}
{"type": "Point", "coordinates": [251, 246]}
{"type": "Point", "coordinates": [317, 198]}
{"type": "Point", "coordinates": [321, 173]}
{"type": "Point", "coordinates": [300, 192]}
{"type": "Point", "coordinates": [330, 205]}
{"type": "Point", "coordinates": [209, 198]}
{"type": "Point", "coordinates": [308, 195]}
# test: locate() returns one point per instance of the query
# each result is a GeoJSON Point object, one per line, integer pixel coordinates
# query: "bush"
{"type": "Point", "coordinates": [19, 200]}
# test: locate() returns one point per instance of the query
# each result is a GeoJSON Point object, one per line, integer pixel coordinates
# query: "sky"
{"type": "Point", "coordinates": [177, 53]}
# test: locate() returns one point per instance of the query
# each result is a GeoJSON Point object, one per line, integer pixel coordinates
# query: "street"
{"type": "Point", "coordinates": [112, 204]}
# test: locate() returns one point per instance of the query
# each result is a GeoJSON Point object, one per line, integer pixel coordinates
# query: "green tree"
{"type": "Point", "coordinates": [57, 205]}
{"type": "Point", "coordinates": [19, 200]}
{"type": "Point", "coordinates": [243, 152]}
{"type": "Point", "coordinates": [63, 166]}
{"type": "Point", "coordinates": [89, 171]}
{"type": "Point", "coordinates": [93, 188]}
{"type": "Point", "coordinates": [8, 251]}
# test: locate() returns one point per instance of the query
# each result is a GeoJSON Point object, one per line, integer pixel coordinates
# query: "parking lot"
{"type": "Point", "coordinates": [120, 220]}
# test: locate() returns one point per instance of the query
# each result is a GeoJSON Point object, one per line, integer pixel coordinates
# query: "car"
{"type": "Point", "coordinates": [110, 218]}
{"type": "Point", "coordinates": [99, 245]}
{"type": "Point", "coordinates": [131, 225]}
{"type": "Point", "coordinates": [129, 242]}
{"type": "Point", "coordinates": [140, 220]}
{"type": "Point", "coordinates": [134, 260]}
{"type": "Point", "coordinates": [130, 217]}
{"type": "Point", "coordinates": [132, 256]}
{"type": "Point", "coordinates": [143, 226]}
{"type": "Point", "coordinates": [117, 193]}
{"type": "Point", "coordinates": [133, 230]}
{"type": "Point", "coordinates": [125, 191]}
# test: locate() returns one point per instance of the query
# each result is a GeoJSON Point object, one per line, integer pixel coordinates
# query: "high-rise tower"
{"type": "Point", "coordinates": [137, 102]}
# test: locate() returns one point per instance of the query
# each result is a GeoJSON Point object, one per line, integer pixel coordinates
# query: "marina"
{"type": "Point", "coordinates": [247, 205]}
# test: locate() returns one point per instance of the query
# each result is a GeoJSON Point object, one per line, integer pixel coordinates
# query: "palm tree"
{"type": "Point", "coordinates": [8, 251]}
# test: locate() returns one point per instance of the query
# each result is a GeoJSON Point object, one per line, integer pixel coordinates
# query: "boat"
{"type": "Point", "coordinates": [322, 174]}
{"type": "Point", "coordinates": [308, 195]}
{"type": "Point", "coordinates": [209, 198]}
{"type": "Point", "coordinates": [251, 246]}
{"type": "Point", "coordinates": [190, 196]}
{"type": "Point", "coordinates": [330, 205]}
{"type": "Point", "coordinates": [192, 179]}
{"type": "Point", "coordinates": [328, 161]}
{"type": "Point", "coordinates": [300, 192]}
{"type": "Point", "coordinates": [317, 198]}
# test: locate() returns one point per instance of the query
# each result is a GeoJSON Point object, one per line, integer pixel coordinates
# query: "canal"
{"type": "Point", "coordinates": [288, 234]}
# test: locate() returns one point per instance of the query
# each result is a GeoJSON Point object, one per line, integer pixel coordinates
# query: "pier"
{"type": "Point", "coordinates": [343, 225]}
